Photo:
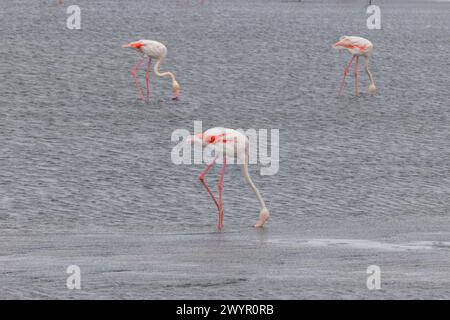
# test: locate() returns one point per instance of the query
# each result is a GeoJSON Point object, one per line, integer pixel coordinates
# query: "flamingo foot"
{"type": "Point", "coordinates": [220, 223]}
{"type": "Point", "coordinates": [263, 217]}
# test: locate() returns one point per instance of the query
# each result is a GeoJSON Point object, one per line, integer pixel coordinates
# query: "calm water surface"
{"type": "Point", "coordinates": [86, 176]}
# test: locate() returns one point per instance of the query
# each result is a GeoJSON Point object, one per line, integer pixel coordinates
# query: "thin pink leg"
{"type": "Point", "coordinates": [202, 179]}
{"type": "Point", "coordinates": [345, 74]}
{"type": "Point", "coordinates": [356, 75]}
{"type": "Point", "coordinates": [220, 186]}
{"type": "Point", "coordinates": [133, 73]}
{"type": "Point", "coordinates": [147, 77]}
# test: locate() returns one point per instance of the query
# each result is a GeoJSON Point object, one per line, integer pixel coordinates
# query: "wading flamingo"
{"type": "Point", "coordinates": [152, 50]}
{"type": "Point", "coordinates": [228, 143]}
{"type": "Point", "coordinates": [358, 47]}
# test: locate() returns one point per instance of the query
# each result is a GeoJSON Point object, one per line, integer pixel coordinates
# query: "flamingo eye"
{"type": "Point", "coordinates": [138, 45]}
{"type": "Point", "coordinates": [212, 139]}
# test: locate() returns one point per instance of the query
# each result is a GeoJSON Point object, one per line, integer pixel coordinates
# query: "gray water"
{"type": "Point", "coordinates": [86, 176]}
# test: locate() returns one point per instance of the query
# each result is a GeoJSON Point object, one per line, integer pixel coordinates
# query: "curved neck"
{"type": "Point", "coordinates": [164, 74]}
{"type": "Point", "coordinates": [368, 71]}
{"type": "Point", "coordinates": [252, 185]}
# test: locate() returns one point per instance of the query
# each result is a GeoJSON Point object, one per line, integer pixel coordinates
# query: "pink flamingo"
{"type": "Point", "coordinates": [358, 47]}
{"type": "Point", "coordinates": [228, 143]}
{"type": "Point", "coordinates": [152, 50]}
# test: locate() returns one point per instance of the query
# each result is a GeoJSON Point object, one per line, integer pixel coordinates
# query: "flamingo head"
{"type": "Point", "coordinates": [175, 89]}
{"type": "Point", "coordinates": [263, 217]}
{"type": "Point", "coordinates": [137, 45]}
{"type": "Point", "coordinates": [372, 89]}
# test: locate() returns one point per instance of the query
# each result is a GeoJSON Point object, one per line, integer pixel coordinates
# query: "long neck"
{"type": "Point", "coordinates": [164, 74]}
{"type": "Point", "coordinates": [368, 71]}
{"type": "Point", "coordinates": [250, 182]}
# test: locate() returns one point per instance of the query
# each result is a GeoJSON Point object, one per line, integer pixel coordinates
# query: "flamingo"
{"type": "Point", "coordinates": [152, 50]}
{"type": "Point", "coordinates": [358, 47]}
{"type": "Point", "coordinates": [228, 143]}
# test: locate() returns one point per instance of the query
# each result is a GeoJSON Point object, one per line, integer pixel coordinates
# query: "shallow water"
{"type": "Point", "coordinates": [87, 177]}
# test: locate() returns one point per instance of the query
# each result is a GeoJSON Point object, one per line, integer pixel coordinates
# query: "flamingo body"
{"type": "Point", "coordinates": [153, 49]}
{"type": "Point", "coordinates": [226, 142]}
{"type": "Point", "coordinates": [355, 45]}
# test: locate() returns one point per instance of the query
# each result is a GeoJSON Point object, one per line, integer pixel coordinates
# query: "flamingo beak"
{"type": "Point", "coordinates": [134, 45]}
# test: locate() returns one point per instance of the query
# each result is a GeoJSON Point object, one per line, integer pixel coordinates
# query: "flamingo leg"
{"type": "Point", "coordinates": [345, 74]}
{"type": "Point", "coordinates": [202, 179]}
{"type": "Point", "coordinates": [147, 76]}
{"type": "Point", "coordinates": [133, 73]}
{"type": "Point", "coordinates": [356, 75]}
{"type": "Point", "coordinates": [220, 186]}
